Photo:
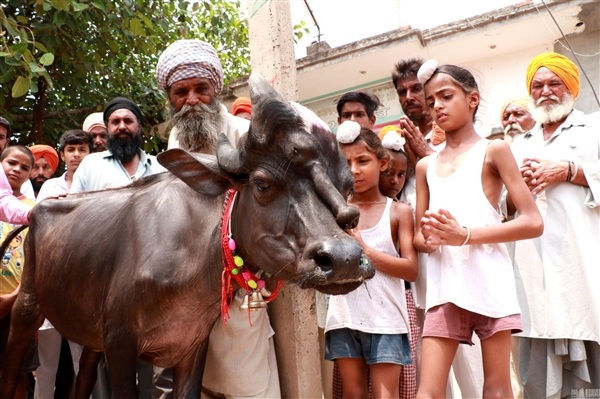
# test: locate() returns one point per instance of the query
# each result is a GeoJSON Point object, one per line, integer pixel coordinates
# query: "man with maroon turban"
{"type": "Point", "coordinates": [557, 274]}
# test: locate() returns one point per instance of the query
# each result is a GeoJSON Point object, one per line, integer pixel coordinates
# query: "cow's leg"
{"type": "Point", "coordinates": [187, 375]}
{"type": "Point", "coordinates": [120, 349]}
{"type": "Point", "coordinates": [25, 319]}
{"type": "Point", "coordinates": [88, 372]}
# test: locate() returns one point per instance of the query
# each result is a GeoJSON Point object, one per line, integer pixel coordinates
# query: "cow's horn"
{"type": "Point", "coordinates": [228, 157]}
{"type": "Point", "coordinates": [270, 111]}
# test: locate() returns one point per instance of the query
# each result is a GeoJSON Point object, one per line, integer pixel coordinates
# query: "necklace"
{"type": "Point", "coordinates": [234, 266]}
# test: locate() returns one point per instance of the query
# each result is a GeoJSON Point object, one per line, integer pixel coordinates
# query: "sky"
{"type": "Point", "coordinates": [346, 21]}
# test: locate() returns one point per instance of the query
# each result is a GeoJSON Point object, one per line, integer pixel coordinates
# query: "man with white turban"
{"type": "Point", "coordinates": [94, 124]}
{"type": "Point", "coordinates": [190, 73]}
{"type": "Point", "coordinates": [557, 274]}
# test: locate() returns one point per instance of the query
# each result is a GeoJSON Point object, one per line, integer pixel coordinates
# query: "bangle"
{"type": "Point", "coordinates": [468, 237]}
{"type": "Point", "coordinates": [575, 172]}
{"type": "Point", "coordinates": [568, 171]}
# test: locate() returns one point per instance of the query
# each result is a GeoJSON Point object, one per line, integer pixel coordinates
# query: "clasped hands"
{"type": "Point", "coordinates": [441, 228]}
{"type": "Point", "coordinates": [538, 174]}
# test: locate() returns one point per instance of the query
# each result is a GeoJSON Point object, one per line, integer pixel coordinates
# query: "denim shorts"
{"type": "Point", "coordinates": [374, 348]}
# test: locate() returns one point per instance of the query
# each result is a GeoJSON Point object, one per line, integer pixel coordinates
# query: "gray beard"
{"type": "Point", "coordinates": [197, 126]}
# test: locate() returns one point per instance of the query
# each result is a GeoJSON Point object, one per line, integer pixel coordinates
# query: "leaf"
{"type": "Point", "coordinates": [47, 59]}
{"type": "Point", "coordinates": [35, 68]}
{"type": "Point", "coordinates": [59, 18]}
{"type": "Point", "coordinates": [21, 86]}
{"type": "Point", "coordinates": [12, 61]}
{"type": "Point", "coordinates": [19, 48]}
{"type": "Point", "coordinates": [136, 27]}
{"type": "Point", "coordinates": [41, 47]}
{"type": "Point", "coordinates": [60, 4]}
{"type": "Point", "coordinates": [33, 87]}
{"type": "Point", "coordinates": [8, 76]}
{"type": "Point", "coordinates": [80, 7]}
{"type": "Point", "coordinates": [22, 20]}
{"type": "Point", "coordinates": [99, 4]}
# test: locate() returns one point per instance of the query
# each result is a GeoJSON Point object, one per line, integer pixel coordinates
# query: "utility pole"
{"type": "Point", "coordinates": [293, 313]}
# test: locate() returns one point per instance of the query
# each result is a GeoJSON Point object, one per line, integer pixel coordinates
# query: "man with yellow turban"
{"type": "Point", "coordinates": [46, 163]}
{"type": "Point", "coordinates": [516, 118]}
{"type": "Point", "coordinates": [557, 273]}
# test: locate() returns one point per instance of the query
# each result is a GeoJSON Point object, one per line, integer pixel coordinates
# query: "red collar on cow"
{"type": "Point", "coordinates": [233, 265]}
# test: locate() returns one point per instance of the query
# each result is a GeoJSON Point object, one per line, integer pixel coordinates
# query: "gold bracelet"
{"type": "Point", "coordinates": [468, 236]}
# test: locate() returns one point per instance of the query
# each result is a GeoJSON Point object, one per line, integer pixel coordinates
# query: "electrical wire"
{"type": "Point", "coordinates": [573, 53]}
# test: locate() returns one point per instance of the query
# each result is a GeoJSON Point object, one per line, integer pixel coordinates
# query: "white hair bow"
{"type": "Point", "coordinates": [348, 132]}
{"type": "Point", "coordinates": [393, 141]}
{"type": "Point", "coordinates": [426, 71]}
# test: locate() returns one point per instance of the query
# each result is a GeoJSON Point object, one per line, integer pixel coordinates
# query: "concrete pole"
{"type": "Point", "coordinates": [293, 313]}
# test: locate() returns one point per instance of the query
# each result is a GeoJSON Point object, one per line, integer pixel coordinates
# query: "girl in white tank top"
{"type": "Point", "coordinates": [376, 311]}
{"type": "Point", "coordinates": [458, 223]}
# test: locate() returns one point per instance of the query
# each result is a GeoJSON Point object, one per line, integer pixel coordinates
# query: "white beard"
{"type": "Point", "coordinates": [554, 112]}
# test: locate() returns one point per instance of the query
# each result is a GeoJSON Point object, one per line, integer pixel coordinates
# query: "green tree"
{"type": "Point", "coordinates": [63, 59]}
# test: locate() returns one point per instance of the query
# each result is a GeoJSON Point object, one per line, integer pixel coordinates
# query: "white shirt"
{"type": "Point", "coordinates": [558, 272]}
{"type": "Point", "coordinates": [53, 188]}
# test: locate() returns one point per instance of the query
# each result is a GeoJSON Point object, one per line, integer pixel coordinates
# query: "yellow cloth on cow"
{"type": "Point", "coordinates": [563, 67]}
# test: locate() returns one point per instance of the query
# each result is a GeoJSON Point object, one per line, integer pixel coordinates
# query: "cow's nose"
{"type": "Point", "coordinates": [340, 258]}
{"type": "Point", "coordinates": [347, 217]}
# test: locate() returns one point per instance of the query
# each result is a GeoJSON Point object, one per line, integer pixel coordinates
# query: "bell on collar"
{"type": "Point", "coordinates": [253, 301]}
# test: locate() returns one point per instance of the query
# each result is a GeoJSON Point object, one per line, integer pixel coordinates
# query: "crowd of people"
{"type": "Point", "coordinates": [496, 237]}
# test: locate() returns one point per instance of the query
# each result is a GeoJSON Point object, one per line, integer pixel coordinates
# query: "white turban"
{"type": "Point", "coordinates": [189, 58]}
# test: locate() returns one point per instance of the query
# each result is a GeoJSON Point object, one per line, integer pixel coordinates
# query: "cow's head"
{"type": "Point", "coordinates": [292, 180]}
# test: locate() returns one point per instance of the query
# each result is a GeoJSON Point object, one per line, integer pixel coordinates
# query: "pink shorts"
{"type": "Point", "coordinates": [450, 321]}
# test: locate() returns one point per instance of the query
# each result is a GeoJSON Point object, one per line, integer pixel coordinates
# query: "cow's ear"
{"type": "Point", "coordinates": [199, 171]}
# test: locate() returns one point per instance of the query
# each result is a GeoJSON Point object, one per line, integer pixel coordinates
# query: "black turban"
{"type": "Point", "coordinates": [122, 103]}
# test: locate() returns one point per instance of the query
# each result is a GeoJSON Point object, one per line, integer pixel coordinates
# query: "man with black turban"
{"type": "Point", "coordinates": [124, 161]}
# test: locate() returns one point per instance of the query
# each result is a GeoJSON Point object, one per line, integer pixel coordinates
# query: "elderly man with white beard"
{"type": "Point", "coordinates": [516, 118]}
{"type": "Point", "coordinates": [557, 274]}
{"type": "Point", "coordinates": [190, 73]}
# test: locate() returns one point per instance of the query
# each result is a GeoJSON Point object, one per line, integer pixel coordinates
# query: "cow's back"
{"type": "Point", "coordinates": [133, 258]}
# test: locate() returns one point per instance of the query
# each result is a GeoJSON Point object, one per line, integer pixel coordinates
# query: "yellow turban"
{"type": "Point", "coordinates": [521, 101]}
{"type": "Point", "coordinates": [560, 65]}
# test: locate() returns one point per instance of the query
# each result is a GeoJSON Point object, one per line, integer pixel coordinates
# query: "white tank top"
{"type": "Point", "coordinates": [478, 278]}
{"type": "Point", "coordinates": [379, 305]}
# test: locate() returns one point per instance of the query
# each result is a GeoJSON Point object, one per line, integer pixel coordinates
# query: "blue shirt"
{"type": "Point", "coordinates": [103, 170]}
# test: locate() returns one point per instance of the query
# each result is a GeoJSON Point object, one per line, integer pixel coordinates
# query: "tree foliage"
{"type": "Point", "coordinates": [63, 59]}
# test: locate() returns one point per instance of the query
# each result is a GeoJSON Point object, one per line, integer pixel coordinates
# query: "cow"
{"type": "Point", "coordinates": [143, 278]}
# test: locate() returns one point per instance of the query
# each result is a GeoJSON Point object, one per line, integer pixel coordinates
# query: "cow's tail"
{"type": "Point", "coordinates": [11, 236]}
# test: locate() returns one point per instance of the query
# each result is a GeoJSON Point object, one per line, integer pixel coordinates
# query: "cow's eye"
{"type": "Point", "coordinates": [262, 185]}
